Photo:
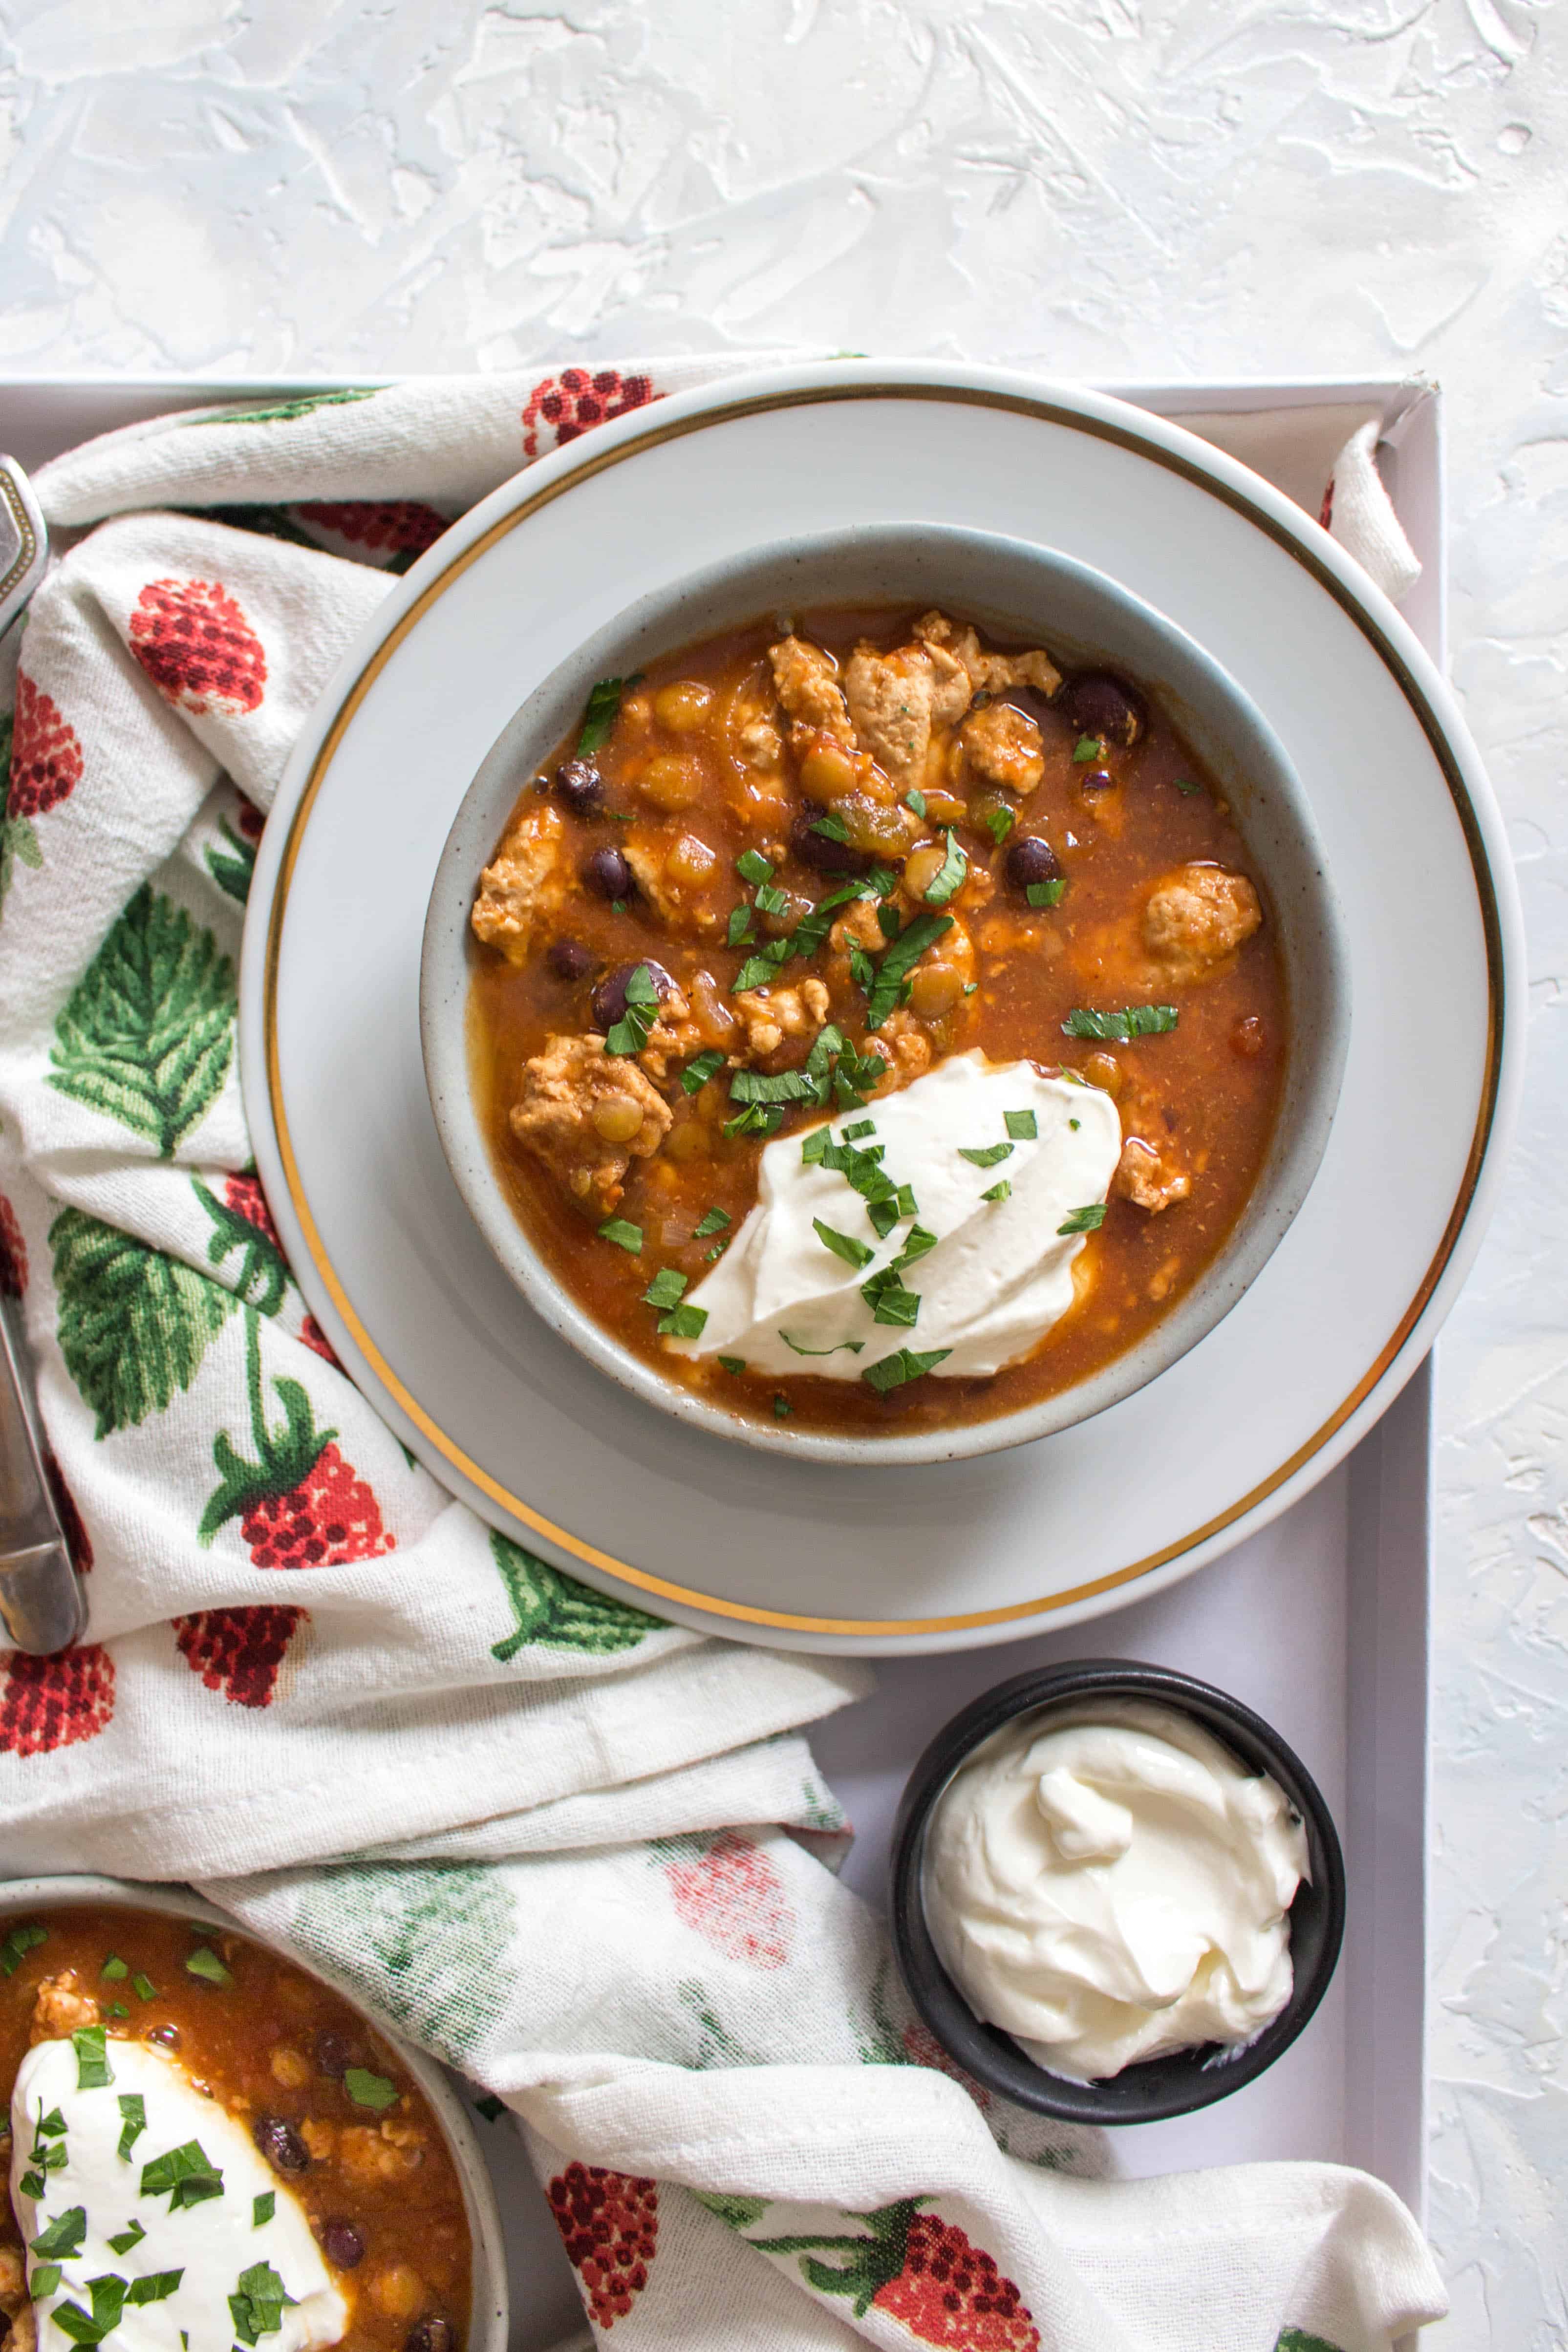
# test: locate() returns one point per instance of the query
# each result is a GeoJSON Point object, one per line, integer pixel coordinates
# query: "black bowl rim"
{"type": "Point", "coordinates": [991, 2056]}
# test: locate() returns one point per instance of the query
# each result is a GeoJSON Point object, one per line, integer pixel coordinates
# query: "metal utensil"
{"type": "Point", "coordinates": [40, 1599]}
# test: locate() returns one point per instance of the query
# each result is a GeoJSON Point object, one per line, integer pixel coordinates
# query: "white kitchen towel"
{"type": "Point", "coordinates": [559, 1843]}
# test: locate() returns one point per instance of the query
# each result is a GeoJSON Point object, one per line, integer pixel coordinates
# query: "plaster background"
{"type": "Point", "coordinates": [1104, 188]}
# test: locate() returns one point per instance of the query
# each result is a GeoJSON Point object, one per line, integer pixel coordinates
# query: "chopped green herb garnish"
{"type": "Point", "coordinates": [52, 2125]}
{"type": "Point", "coordinates": [954, 866]}
{"type": "Point", "coordinates": [889, 922]}
{"type": "Point", "coordinates": [258, 2305]}
{"type": "Point", "coordinates": [757, 1118]}
{"type": "Point", "coordinates": [629, 1035]}
{"type": "Point", "coordinates": [740, 925]}
{"type": "Point", "coordinates": [843, 1246]}
{"type": "Point", "coordinates": [32, 2184]}
{"type": "Point", "coordinates": [898, 960]}
{"type": "Point", "coordinates": [718, 1250]}
{"type": "Point", "coordinates": [45, 2277]}
{"type": "Point", "coordinates": [762, 969]}
{"type": "Point", "coordinates": [696, 1075]}
{"type": "Point", "coordinates": [861, 1127]}
{"type": "Point", "coordinates": [604, 707]}
{"type": "Point", "coordinates": [114, 1967]}
{"type": "Point", "coordinates": [1000, 1191]}
{"type": "Point", "coordinates": [854, 1345]}
{"type": "Point", "coordinates": [117, 2009]}
{"type": "Point", "coordinates": [888, 1298]}
{"type": "Point", "coordinates": [1183, 785]}
{"type": "Point", "coordinates": [772, 900]}
{"type": "Point", "coordinates": [905, 1365]}
{"type": "Point", "coordinates": [684, 1322]}
{"type": "Point", "coordinates": [133, 2121]}
{"type": "Point", "coordinates": [156, 2287]}
{"type": "Point", "coordinates": [999, 822]}
{"type": "Point", "coordinates": [93, 2070]}
{"type": "Point", "coordinates": [64, 2235]}
{"type": "Point", "coordinates": [665, 1289]}
{"type": "Point", "coordinates": [884, 1215]}
{"type": "Point", "coordinates": [131, 2235]}
{"type": "Point", "coordinates": [1021, 1125]}
{"type": "Point", "coordinates": [263, 2208]}
{"type": "Point", "coordinates": [618, 905]}
{"type": "Point", "coordinates": [373, 2091]}
{"type": "Point", "coordinates": [862, 970]}
{"type": "Point", "coordinates": [918, 1242]}
{"type": "Point", "coordinates": [108, 2294]}
{"type": "Point", "coordinates": [491, 2107]}
{"type": "Point", "coordinates": [813, 1146]}
{"type": "Point", "coordinates": [1119, 1028]}
{"type": "Point", "coordinates": [782, 1408]}
{"type": "Point", "coordinates": [1086, 747]}
{"type": "Point", "coordinates": [625, 1237]}
{"type": "Point", "coordinates": [732, 1363]}
{"type": "Point", "coordinates": [144, 1988]}
{"type": "Point", "coordinates": [1044, 894]}
{"type": "Point", "coordinates": [831, 828]}
{"type": "Point", "coordinates": [714, 1222]}
{"type": "Point", "coordinates": [186, 2175]}
{"type": "Point", "coordinates": [20, 1941]}
{"type": "Point", "coordinates": [1075, 1124]}
{"type": "Point", "coordinates": [787, 1087]}
{"type": "Point", "coordinates": [207, 1965]}
{"type": "Point", "coordinates": [915, 799]}
{"type": "Point", "coordinates": [752, 866]}
{"type": "Point", "coordinates": [1084, 1221]}
{"type": "Point", "coordinates": [986, 1155]}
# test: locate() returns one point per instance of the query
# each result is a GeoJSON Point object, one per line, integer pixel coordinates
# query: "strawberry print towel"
{"type": "Point", "coordinates": [572, 1849]}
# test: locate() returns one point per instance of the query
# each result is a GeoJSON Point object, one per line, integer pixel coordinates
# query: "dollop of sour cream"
{"type": "Point", "coordinates": [988, 1247]}
{"type": "Point", "coordinates": [1112, 1885]}
{"type": "Point", "coordinates": [171, 2259]}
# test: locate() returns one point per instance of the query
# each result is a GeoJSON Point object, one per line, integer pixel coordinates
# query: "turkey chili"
{"type": "Point", "coordinates": [209, 2149]}
{"type": "Point", "coordinates": [872, 1025]}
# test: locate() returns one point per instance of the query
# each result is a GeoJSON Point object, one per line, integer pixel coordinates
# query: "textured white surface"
{"type": "Point", "coordinates": [1135, 188]}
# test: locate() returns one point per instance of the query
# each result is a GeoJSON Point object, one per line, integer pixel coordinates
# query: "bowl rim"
{"type": "Point", "coordinates": [1195, 2078]}
{"type": "Point", "coordinates": [1292, 1161]}
{"type": "Point", "coordinates": [490, 2304]}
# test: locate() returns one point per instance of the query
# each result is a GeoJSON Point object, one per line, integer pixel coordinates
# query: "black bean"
{"type": "Point", "coordinates": [431, 2335]}
{"type": "Point", "coordinates": [826, 857]}
{"type": "Point", "coordinates": [608, 873]}
{"type": "Point", "coordinates": [1032, 859]}
{"type": "Point", "coordinates": [169, 2036]}
{"type": "Point", "coordinates": [334, 2054]}
{"type": "Point", "coordinates": [570, 960]}
{"type": "Point", "coordinates": [1099, 704]}
{"type": "Point", "coordinates": [342, 2244]}
{"type": "Point", "coordinates": [610, 996]}
{"type": "Point", "coordinates": [1096, 780]}
{"type": "Point", "coordinates": [579, 783]}
{"type": "Point", "coordinates": [280, 2144]}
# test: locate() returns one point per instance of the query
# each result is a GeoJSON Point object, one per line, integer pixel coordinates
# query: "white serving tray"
{"type": "Point", "coordinates": [1321, 1622]}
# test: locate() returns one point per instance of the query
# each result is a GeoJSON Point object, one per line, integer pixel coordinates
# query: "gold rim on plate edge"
{"type": "Point", "coordinates": [1100, 428]}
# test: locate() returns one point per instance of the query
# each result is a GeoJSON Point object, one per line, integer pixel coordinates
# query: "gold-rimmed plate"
{"type": "Point", "coordinates": [966, 1552]}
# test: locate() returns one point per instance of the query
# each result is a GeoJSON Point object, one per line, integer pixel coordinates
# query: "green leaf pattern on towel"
{"type": "Point", "coordinates": [557, 1613]}
{"type": "Point", "coordinates": [424, 1942]}
{"type": "Point", "coordinates": [1294, 2340]}
{"type": "Point", "coordinates": [147, 1035]}
{"type": "Point", "coordinates": [284, 412]}
{"type": "Point", "coordinates": [133, 1325]}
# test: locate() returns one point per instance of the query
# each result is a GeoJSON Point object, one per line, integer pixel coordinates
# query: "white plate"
{"type": "Point", "coordinates": [963, 1553]}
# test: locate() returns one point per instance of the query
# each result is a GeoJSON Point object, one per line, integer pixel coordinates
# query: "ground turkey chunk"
{"type": "Point", "coordinates": [13, 2281]}
{"type": "Point", "coordinates": [528, 880]}
{"type": "Point", "coordinates": [1148, 1178]}
{"type": "Point", "coordinates": [806, 682]}
{"type": "Point", "coordinates": [772, 1015]}
{"type": "Point", "coordinates": [671, 892]}
{"type": "Point", "coordinates": [1196, 917]}
{"type": "Point", "coordinates": [60, 2008]}
{"type": "Point", "coordinates": [587, 1115]}
{"type": "Point", "coordinates": [994, 672]}
{"type": "Point", "coordinates": [896, 699]}
{"type": "Point", "coordinates": [903, 1045]}
{"type": "Point", "coordinates": [1003, 746]}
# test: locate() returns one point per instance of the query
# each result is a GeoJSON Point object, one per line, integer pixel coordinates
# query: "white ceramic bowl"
{"type": "Point", "coordinates": [22, 1898]}
{"type": "Point", "coordinates": [1019, 592]}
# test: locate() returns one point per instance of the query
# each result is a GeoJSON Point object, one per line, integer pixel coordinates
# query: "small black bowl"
{"type": "Point", "coordinates": [1154, 2088]}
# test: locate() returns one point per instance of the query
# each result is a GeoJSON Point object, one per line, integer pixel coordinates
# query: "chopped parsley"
{"type": "Point", "coordinates": [131, 2235]}
{"type": "Point", "coordinates": [732, 1363]}
{"type": "Point", "coordinates": [114, 1969]}
{"type": "Point", "coordinates": [368, 2089]}
{"type": "Point", "coordinates": [263, 2208]}
{"type": "Point", "coordinates": [832, 827]}
{"type": "Point", "coordinates": [861, 1127]}
{"type": "Point", "coordinates": [714, 1222]}
{"type": "Point", "coordinates": [787, 1087]}
{"type": "Point", "coordinates": [752, 866]}
{"type": "Point", "coordinates": [762, 969]}
{"type": "Point", "coordinates": [862, 970]}
{"type": "Point", "coordinates": [1185, 785]}
{"type": "Point", "coordinates": [954, 867]}
{"type": "Point", "coordinates": [904, 1365]}
{"type": "Point", "coordinates": [117, 2009]}
{"type": "Point", "coordinates": [257, 2306]}
{"type": "Point", "coordinates": [144, 1988]}
{"type": "Point", "coordinates": [1084, 1221]}
{"type": "Point", "coordinates": [918, 1240]}
{"type": "Point", "coordinates": [1075, 1124]}
{"type": "Point", "coordinates": [756, 1119]}
{"type": "Point", "coordinates": [32, 2184]}
{"type": "Point", "coordinates": [889, 922]}
{"type": "Point", "coordinates": [986, 1155]}
{"type": "Point", "coordinates": [186, 2175]}
{"type": "Point", "coordinates": [45, 2279]}
{"type": "Point", "coordinates": [888, 1300]}
{"type": "Point", "coordinates": [108, 2294]}
{"type": "Point", "coordinates": [207, 1965]}
{"type": "Point", "coordinates": [915, 799]}
{"type": "Point", "coordinates": [629, 1035]}
{"type": "Point", "coordinates": [696, 1075]}
{"type": "Point", "coordinates": [1119, 1028]}
{"type": "Point", "coordinates": [898, 960]}
{"type": "Point", "coordinates": [624, 1234]}
{"type": "Point", "coordinates": [132, 2120]}
{"type": "Point", "coordinates": [1086, 747]}
{"type": "Point", "coordinates": [999, 822]}
{"type": "Point", "coordinates": [1000, 1191]}
{"type": "Point", "coordinates": [782, 1408]}
{"type": "Point", "coordinates": [843, 1246]}
{"type": "Point", "coordinates": [666, 1289]}
{"type": "Point", "coordinates": [718, 1250]}
{"type": "Point", "coordinates": [1021, 1125]}
{"type": "Point", "coordinates": [740, 926]}
{"type": "Point", "coordinates": [93, 2070]}
{"type": "Point", "coordinates": [684, 1322]}
{"type": "Point", "coordinates": [604, 707]}
{"type": "Point", "coordinates": [854, 1345]}
{"type": "Point", "coordinates": [1044, 894]}
{"type": "Point", "coordinates": [156, 2287]}
{"type": "Point", "coordinates": [64, 2235]}
{"type": "Point", "coordinates": [20, 1941]}
{"type": "Point", "coordinates": [770, 901]}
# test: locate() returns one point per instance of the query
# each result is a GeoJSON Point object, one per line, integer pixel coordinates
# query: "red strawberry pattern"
{"type": "Point", "coordinates": [13, 1252]}
{"type": "Point", "coordinates": [570, 403]}
{"type": "Point", "coordinates": [729, 1893]}
{"type": "Point", "coordinates": [313, 1335]}
{"type": "Point", "coordinates": [299, 1503]}
{"type": "Point", "coordinates": [923, 2272]}
{"type": "Point", "coordinates": [244, 1196]}
{"type": "Point", "coordinates": [239, 1651]}
{"type": "Point", "coordinates": [1326, 512]}
{"type": "Point", "coordinates": [45, 757]}
{"type": "Point", "coordinates": [49, 1703]}
{"type": "Point", "coordinates": [921, 2048]}
{"type": "Point", "coordinates": [384, 526]}
{"type": "Point", "coordinates": [248, 817]}
{"type": "Point", "coordinates": [78, 1544]}
{"type": "Point", "coordinates": [609, 2225]}
{"type": "Point", "coordinates": [199, 648]}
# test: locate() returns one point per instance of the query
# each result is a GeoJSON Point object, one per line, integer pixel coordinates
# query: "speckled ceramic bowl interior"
{"type": "Point", "coordinates": [1158, 2088]}
{"type": "Point", "coordinates": [1021, 592]}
